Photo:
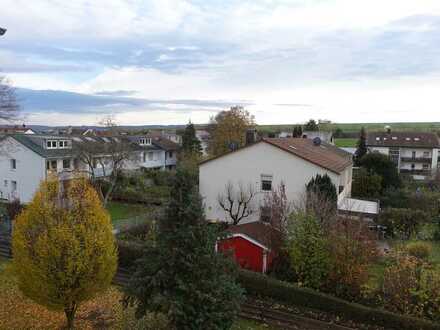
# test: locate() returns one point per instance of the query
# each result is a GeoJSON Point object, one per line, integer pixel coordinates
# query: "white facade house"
{"type": "Point", "coordinates": [268, 163]}
{"type": "Point", "coordinates": [414, 153]}
{"type": "Point", "coordinates": [26, 160]}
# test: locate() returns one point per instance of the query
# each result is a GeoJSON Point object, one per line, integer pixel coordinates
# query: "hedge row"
{"type": "Point", "coordinates": [128, 253]}
{"type": "Point", "coordinates": [261, 285]}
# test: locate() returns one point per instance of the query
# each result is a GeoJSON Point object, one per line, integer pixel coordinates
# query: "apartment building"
{"type": "Point", "coordinates": [414, 153]}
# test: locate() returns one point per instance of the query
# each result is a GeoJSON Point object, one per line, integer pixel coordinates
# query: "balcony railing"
{"type": "Point", "coordinates": [417, 159]}
{"type": "Point", "coordinates": [415, 172]}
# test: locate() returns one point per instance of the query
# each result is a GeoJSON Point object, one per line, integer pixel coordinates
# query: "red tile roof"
{"type": "Point", "coordinates": [261, 232]}
{"type": "Point", "coordinates": [403, 139]}
{"type": "Point", "coordinates": [324, 155]}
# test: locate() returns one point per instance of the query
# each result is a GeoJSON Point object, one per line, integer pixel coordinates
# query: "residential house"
{"type": "Point", "coordinates": [15, 129]}
{"type": "Point", "coordinates": [414, 153]}
{"type": "Point", "coordinates": [323, 135]}
{"type": "Point", "coordinates": [25, 160]}
{"type": "Point", "coordinates": [268, 163]}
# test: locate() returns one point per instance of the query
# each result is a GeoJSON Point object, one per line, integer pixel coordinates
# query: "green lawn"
{"type": "Point", "coordinates": [119, 211]}
{"type": "Point", "coordinates": [345, 143]}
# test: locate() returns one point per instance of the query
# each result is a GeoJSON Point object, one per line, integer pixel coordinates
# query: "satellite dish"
{"type": "Point", "coordinates": [317, 141]}
{"type": "Point", "coordinates": [2, 31]}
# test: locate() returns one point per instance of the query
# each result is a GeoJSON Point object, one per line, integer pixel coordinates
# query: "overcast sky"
{"type": "Point", "coordinates": [170, 61]}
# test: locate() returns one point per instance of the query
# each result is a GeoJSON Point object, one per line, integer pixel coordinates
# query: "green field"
{"type": "Point", "coordinates": [345, 143]}
{"type": "Point", "coordinates": [355, 127]}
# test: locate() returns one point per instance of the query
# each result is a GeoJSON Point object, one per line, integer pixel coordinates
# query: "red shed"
{"type": "Point", "coordinates": [252, 245]}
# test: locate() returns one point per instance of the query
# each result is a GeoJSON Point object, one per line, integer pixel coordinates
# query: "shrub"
{"type": "Point", "coordinates": [366, 185]}
{"type": "Point", "coordinates": [13, 209]}
{"type": "Point", "coordinates": [283, 292]}
{"type": "Point", "coordinates": [129, 252]}
{"type": "Point", "coordinates": [421, 250]}
{"type": "Point", "coordinates": [411, 287]}
{"type": "Point", "coordinates": [352, 250]}
{"type": "Point", "coordinates": [382, 165]}
{"type": "Point", "coordinates": [308, 250]}
{"type": "Point", "coordinates": [402, 223]}
{"type": "Point", "coordinates": [150, 321]}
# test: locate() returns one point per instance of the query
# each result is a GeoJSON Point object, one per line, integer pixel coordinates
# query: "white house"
{"type": "Point", "coordinates": [25, 160]}
{"type": "Point", "coordinates": [414, 153]}
{"type": "Point", "coordinates": [267, 163]}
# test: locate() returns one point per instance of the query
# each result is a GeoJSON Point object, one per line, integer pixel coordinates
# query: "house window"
{"type": "Point", "coordinates": [266, 182]}
{"type": "Point", "coordinates": [426, 154]}
{"type": "Point", "coordinates": [66, 163]}
{"type": "Point", "coordinates": [144, 156]}
{"type": "Point", "coordinates": [5, 183]}
{"type": "Point", "coordinates": [341, 189]}
{"type": "Point", "coordinates": [170, 154]}
{"type": "Point", "coordinates": [14, 185]}
{"type": "Point", "coordinates": [265, 214]}
{"type": "Point", "coordinates": [51, 144]}
{"type": "Point", "coordinates": [13, 164]}
{"type": "Point", "coordinates": [413, 154]}
{"type": "Point", "coordinates": [145, 141]}
{"type": "Point", "coordinates": [150, 156]}
{"type": "Point", "coordinates": [425, 166]}
{"type": "Point", "coordinates": [413, 166]}
{"type": "Point", "coordinates": [63, 144]}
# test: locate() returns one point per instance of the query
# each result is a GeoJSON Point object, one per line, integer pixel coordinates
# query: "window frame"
{"type": "Point", "coordinates": [13, 164]}
{"type": "Point", "coordinates": [70, 164]}
{"type": "Point", "coordinates": [266, 182]}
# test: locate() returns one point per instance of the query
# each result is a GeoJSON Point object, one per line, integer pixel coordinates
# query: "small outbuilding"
{"type": "Point", "coordinates": [252, 245]}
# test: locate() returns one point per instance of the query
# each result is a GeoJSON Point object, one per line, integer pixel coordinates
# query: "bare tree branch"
{"type": "Point", "coordinates": [237, 204]}
{"type": "Point", "coordinates": [9, 108]}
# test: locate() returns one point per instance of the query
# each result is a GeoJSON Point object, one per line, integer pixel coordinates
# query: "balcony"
{"type": "Point", "coordinates": [415, 172]}
{"type": "Point", "coordinates": [416, 159]}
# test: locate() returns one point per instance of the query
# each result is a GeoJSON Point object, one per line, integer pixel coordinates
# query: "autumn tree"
{"type": "Point", "coordinates": [238, 203]}
{"type": "Point", "coordinates": [63, 245]}
{"type": "Point", "coordinates": [228, 130]}
{"type": "Point", "coordinates": [190, 143]}
{"type": "Point", "coordinates": [8, 101]}
{"type": "Point", "coordinates": [361, 146]}
{"type": "Point", "coordinates": [182, 276]}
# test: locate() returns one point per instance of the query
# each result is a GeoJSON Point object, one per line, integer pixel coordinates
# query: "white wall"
{"type": "Point", "coordinates": [31, 169]}
{"type": "Point", "coordinates": [246, 167]}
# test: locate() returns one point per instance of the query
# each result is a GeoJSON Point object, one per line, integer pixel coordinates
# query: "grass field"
{"type": "Point", "coordinates": [346, 143]}
{"type": "Point", "coordinates": [104, 312]}
{"type": "Point", "coordinates": [356, 127]}
{"type": "Point", "coordinates": [119, 211]}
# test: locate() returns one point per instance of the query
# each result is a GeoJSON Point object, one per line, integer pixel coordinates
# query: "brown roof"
{"type": "Point", "coordinates": [324, 155]}
{"type": "Point", "coordinates": [261, 232]}
{"type": "Point", "coordinates": [403, 139]}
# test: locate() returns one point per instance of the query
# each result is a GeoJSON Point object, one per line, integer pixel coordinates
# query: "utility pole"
{"type": "Point", "coordinates": [2, 31]}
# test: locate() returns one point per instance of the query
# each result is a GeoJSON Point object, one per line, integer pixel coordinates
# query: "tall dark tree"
{"type": "Point", "coordinates": [382, 165]}
{"type": "Point", "coordinates": [182, 276]}
{"type": "Point", "coordinates": [361, 146]}
{"type": "Point", "coordinates": [311, 125]}
{"type": "Point", "coordinates": [190, 143]}
{"type": "Point", "coordinates": [323, 185]}
{"type": "Point", "coordinates": [297, 131]}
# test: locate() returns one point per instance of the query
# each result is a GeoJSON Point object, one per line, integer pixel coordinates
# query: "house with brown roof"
{"type": "Point", "coordinates": [263, 166]}
{"type": "Point", "coordinates": [414, 153]}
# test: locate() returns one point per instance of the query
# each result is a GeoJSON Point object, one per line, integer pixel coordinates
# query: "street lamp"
{"type": "Point", "coordinates": [2, 31]}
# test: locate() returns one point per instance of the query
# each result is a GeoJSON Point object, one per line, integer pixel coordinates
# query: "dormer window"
{"type": "Point", "coordinates": [51, 144]}
{"type": "Point", "coordinates": [63, 144]}
{"type": "Point", "coordinates": [144, 141]}
{"type": "Point", "coordinates": [377, 138]}
{"type": "Point", "coordinates": [416, 139]}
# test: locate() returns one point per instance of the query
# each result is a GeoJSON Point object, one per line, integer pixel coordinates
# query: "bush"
{"type": "Point", "coordinates": [150, 321]}
{"type": "Point", "coordinates": [421, 250]}
{"type": "Point", "coordinates": [261, 285]}
{"type": "Point", "coordinates": [352, 250]}
{"type": "Point", "coordinates": [411, 287]}
{"type": "Point", "coordinates": [366, 185]}
{"type": "Point", "coordinates": [308, 250]}
{"type": "Point", "coordinates": [402, 223]}
{"type": "Point", "coordinates": [129, 252]}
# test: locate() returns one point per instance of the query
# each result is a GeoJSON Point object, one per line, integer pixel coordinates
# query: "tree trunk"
{"type": "Point", "coordinates": [70, 315]}
{"type": "Point", "coordinates": [110, 190]}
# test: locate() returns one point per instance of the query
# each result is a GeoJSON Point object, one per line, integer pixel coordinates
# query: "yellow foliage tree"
{"type": "Point", "coordinates": [229, 127]}
{"type": "Point", "coordinates": [63, 246]}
